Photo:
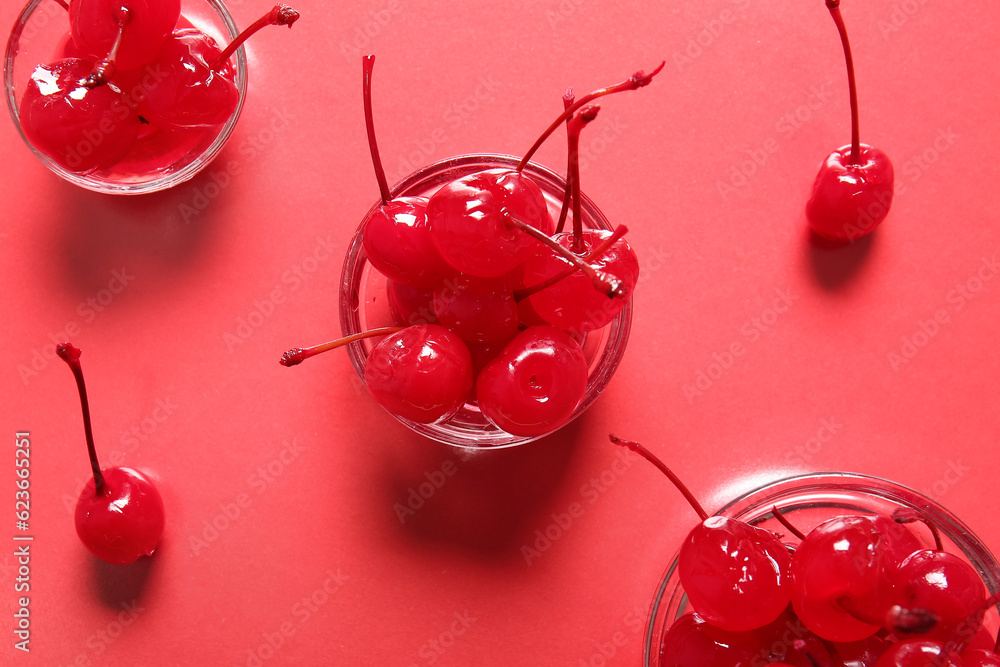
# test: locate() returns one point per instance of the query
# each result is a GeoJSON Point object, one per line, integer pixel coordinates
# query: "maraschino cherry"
{"type": "Point", "coordinates": [94, 27]}
{"type": "Point", "coordinates": [197, 87]}
{"type": "Point", "coordinates": [72, 112]}
{"type": "Point", "coordinates": [854, 187]}
{"type": "Point", "coordinates": [119, 515]}
{"type": "Point", "coordinates": [422, 373]}
{"type": "Point", "coordinates": [941, 582]}
{"type": "Point", "coordinates": [735, 575]}
{"type": "Point", "coordinates": [396, 236]}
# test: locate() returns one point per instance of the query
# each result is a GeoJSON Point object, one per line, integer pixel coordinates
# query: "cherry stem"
{"type": "Point", "coordinates": [105, 69]}
{"type": "Point", "coordinates": [603, 282]}
{"type": "Point", "coordinates": [834, 7]}
{"type": "Point", "coordinates": [568, 98]}
{"type": "Point", "coordinates": [280, 14]}
{"type": "Point", "coordinates": [574, 126]}
{"type": "Point", "coordinates": [904, 515]}
{"type": "Point", "coordinates": [596, 253]}
{"type": "Point", "coordinates": [800, 646]}
{"type": "Point", "coordinates": [648, 455]}
{"type": "Point", "coordinates": [786, 523]}
{"type": "Point", "coordinates": [637, 80]}
{"type": "Point", "coordinates": [71, 356]}
{"type": "Point", "coordinates": [367, 64]}
{"type": "Point", "coordinates": [899, 620]}
{"type": "Point", "coordinates": [297, 355]}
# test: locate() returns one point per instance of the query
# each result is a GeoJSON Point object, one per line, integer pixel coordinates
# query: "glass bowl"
{"type": "Point", "coordinates": [364, 302]}
{"type": "Point", "coordinates": [156, 162]}
{"type": "Point", "coordinates": [808, 500]}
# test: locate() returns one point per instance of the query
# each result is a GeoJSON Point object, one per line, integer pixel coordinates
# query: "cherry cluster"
{"type": "Point", "coordinates": [490, 296]}
{"type": "Point", "coordinates": [856, 590]}
{"type": "Point", "coordinates": [135, 86]}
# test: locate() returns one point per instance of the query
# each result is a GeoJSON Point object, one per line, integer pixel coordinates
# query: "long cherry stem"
{"type": "Point", "coordinates": [367, 64]}
{"type": "Point", "coordinates": [568, 98]}
{"type": "Point", "coordinates": [105, 69]}
{"type": "Point", "coordinates": [596, 253]}
{"type": "Point", "coordinates": [899, 620]}
{"type": "Point", "coordinates": [637, 80]}
{"type": "Point", "coordinates": [789, 526]}
{"type": "Point", "coordinates": [834, 7]}
{"type": "Point", "coordinates": [903, 515]}
{"type": "Point", "coordinates": [71, 356]}
{"type": "Point", "coordinates": [297, 355]}
{"type": "Point", "coordinates": [576, 124]}
{"type": "Point", "coordinates": [649, 456]}
{"type": "Point", "coordinates": [603, 281]}
{"type": "Point", "coordinates": [279, 15]}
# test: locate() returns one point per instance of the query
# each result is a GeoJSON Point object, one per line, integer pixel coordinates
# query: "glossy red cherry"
{"type": "Point", "coordinates": [691, 641]}
{"type": "Point", "coordinates": [73, 114]}
{"type": "Point", "coordinates": [396, 237]}
{"type": "Point", "coordinates": [422, 373]}
{"type": "Point", "coordinates": [535, 384]}
{"type": "Point", "coordinates": [119, 515]}
{"type": "Point", "coordinates": [410, 305]}
{"type": "Point", "coordinates": [94, 28]}
{"type": "Point", "coordinates": [82, 124]}
{"type": "Point", "coordinates": [195, 86]}
{"type": "Point", "coordinates": [942, 583]}
{"type": "Point", "coordinates": [840, 579]}
{"type": "Point", "coordinates": [471, 223]}
{"type": "Point", "coordinates": [854, 187]}
{"type": "Point", "coordinates": [572, 302]}
{"type": "Point", "coordinates": [919, 653]}
{"type": "Point", "coordinates": [480, 310]}
{"type": "Point", "coordinates": [735, 575]}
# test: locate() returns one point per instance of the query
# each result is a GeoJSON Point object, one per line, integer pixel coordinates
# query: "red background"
{"type": "Point", "coordinates": [319, 561]}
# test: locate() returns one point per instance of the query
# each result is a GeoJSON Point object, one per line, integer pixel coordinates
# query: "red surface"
{"type": "Point", "coordinates": [183, 302]}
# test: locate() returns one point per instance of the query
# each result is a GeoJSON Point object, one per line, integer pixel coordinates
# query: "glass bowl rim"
{"type": "Point", "coordinates": [163, 181]}
{"type": "Point", "coordinates": [618, 329]}
{"type": "Point", "coordinates": [761, 497]}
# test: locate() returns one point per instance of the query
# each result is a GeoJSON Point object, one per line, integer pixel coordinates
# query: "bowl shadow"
{"type": "Point", "coordinates": [484, 502]}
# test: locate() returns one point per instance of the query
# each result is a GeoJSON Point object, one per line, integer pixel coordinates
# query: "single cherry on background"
{"type": "Point", "coordinates": [119, 516]}
{"type": "Point", "coordinates": [735, 575]}
{"type": "Point", "coordinates": [853, 190]}
{"type": "Point", "coordinates": [422, 373]}
{"type": "Point", "coordinates": [93, 26]}
{"type": "Point", "coordinates": [535, 384]}
{"type": "Point", "coordinates": [195, 83]}
{"type": "Point", "coordinates": [72, 113]}
{"type": "Point", "coordinates": [396, 236]}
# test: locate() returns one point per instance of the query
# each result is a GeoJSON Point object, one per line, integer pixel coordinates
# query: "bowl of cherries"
{"type": "Point", "coordinates": [485, 300]}
{"type": "Point", "coordinates": [128, 96]}
{"type": "Point", "coordinates": [826, 570]}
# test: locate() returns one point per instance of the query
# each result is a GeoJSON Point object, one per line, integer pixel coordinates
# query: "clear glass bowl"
{"type": "Point", "coordinates": [364, 302]}
{"type": "Point", "coordinates": [39, 36]}
{"type": "Point", "coordinates": [808, 500]}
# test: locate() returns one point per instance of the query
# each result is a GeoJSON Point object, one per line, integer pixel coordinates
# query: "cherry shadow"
{"type": "Point", "coordinates": [164, 231]}
{"type": "Point", "coordinates": [834, 265]}
{"type": "Point", "coordinates": [122, 586]}
{"type": "Point", "coordinates": [484, 502]}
